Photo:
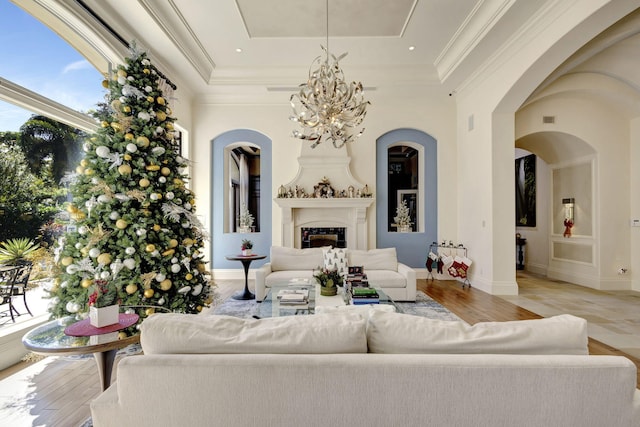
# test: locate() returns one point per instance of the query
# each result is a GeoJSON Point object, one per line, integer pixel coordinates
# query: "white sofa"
{"type": "Point", "coordinates": [381, 369]}
{"type": "Point", "coordinates": [383, 270]}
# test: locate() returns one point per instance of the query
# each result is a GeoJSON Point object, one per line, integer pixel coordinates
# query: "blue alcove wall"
{"type": "Point", "coordinates": [412, 248]}
{"type": "Point", "coordinates": [222, 243]}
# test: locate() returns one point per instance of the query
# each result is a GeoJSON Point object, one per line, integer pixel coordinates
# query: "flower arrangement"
{"type": "Point", "coordinates": [104, 294]}
{"type": "Point", "coordinates": [246, 244]}
{"type": "Point", "coordinates": [402, 220]}
{"type": "Point", "coordinates": [328, 280]}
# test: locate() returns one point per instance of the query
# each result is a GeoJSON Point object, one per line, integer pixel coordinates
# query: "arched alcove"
{"type": "Point", "coordinates": [225, 240]}
{"type": "Point", "coordinates": [411, 247]}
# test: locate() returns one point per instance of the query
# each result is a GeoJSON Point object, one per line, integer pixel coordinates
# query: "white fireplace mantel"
{"type": "Point", "coordinates": [350, 213]}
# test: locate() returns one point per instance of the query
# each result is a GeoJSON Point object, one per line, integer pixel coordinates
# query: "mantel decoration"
{"type": "Point", "coordinates": [329, 281]}
{"type": "Point", "coordinates": [246, 247]}
{"type": "Point", "coordinates": [103, 304]}
{"type": "Point", "coordinates": [246, 220]}
{"type": "Point", "coordinates": [402, 220]}
{"type": "Point", "coordinates": [327, 108]}
{"type": "Point", "coordinates": [323, 190]}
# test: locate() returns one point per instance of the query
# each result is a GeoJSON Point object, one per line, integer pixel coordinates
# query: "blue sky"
{"type": "Point", "coordinates": [35, 57]}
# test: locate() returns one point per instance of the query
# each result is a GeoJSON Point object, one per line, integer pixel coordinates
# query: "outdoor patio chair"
{"type": "Point", "coordinates": [7, 278]}
{"type": "Point", "coordinates": [15, 286]}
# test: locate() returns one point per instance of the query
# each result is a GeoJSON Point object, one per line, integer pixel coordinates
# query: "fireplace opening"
{"type": "Point", "coordinates": [323, 236]}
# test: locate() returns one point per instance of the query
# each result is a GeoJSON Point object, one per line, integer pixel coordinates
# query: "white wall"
{"type": "Point", "coordinates": [603, 126]}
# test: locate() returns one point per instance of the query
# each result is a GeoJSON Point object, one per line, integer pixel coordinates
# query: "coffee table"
{"type": "Point", "coordinates": [50, 339]}
{"type": "Point", "coordinates": [271, 307]}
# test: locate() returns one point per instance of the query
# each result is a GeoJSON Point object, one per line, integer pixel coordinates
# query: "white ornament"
{"type": "Point", "coordinates": [130, 263]}
{"type": "Point", "coordinates": [146, 62]}
{"type": "Point", "coordinates": [104, 275]}
{"type": "Point", "coordinates": [153, 196]}
{"type": "Point", "coordinates": [122, 98]}
{"type": "Point", "coordinates": [86, 147]}
{"type": "Point", "coordinates": [175, 268]}
{"type": "Point", "coordinates": [160, 277]}
{"type": "Point", "coordinates": [197, 289]}
{"type": "Point", "coordinates": [131, 147]}
{"type": "Point", "coordinates": [130, 250]}
{"type": "Point", "coordinates": [174, 260]}
{"type": "Point", "coordinates": [187, 206]}
{"type": "Point", "coordinates": [82, 229]}
{"type": "Point", "coordinates": [158, 151]}
{"type": "Point", "coordinates": [141, 232]}
{"type": "Point", "coordinates": [180, 159]}
{"type": "Point", "coordinates": [155, 253]}
{"type": "Point", "coordinates": [64, 284]}
{"type": "Point", "coordinates": [78, 245]}
{"type": "Point", "coordinates": [95, 180]}
{"type": "Point", "coordinates": [162, 179]}
{"type": "Point", "coordinates": [184, 289]}
{"type": "Point", "coordinates": [143, 115]}
{"type": "Point", "coordinates": [104, 198]}
{"type": "Point", "coordinates": [72, 307]}
{"type": "Point", "coordinates": [102, 151]}
{"type": "Point", "coordinates": [169, 195]}
{"type": "Point", "coordinates": [72, 269]}
{"type": "Point", "coordinates": [161, 301]}
{"type": "Point", "coordinates": [130, 78]}
{"type": "Point", "coordinates": [148, 89]}
{"type": "Point", "coordinates": [123, 197]}
{"type": "Point", "coordinates": [114, 215]}
{"type": "Point", "coordinates": [122, 80]}
{"type": "Point", "coordinates": [94, 252]}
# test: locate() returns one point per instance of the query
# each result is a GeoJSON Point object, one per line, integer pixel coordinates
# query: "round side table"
{"type": "Point", "coordinates": [246, 261]}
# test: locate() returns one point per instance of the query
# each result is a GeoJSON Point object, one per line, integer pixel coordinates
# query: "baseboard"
{"type": "Point", "coordinates": [540, 269]}
{"type": "Point", "coordinates": [495, 287]}
{"type": "Point", "coordinates": [231, 274]}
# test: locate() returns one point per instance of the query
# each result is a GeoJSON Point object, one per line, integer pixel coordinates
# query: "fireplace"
{"type": "Point", "coordinates": [346, 206]}
{"type": "Point", "coordinates": [314, 237]}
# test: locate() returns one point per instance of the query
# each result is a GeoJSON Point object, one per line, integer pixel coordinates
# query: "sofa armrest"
{"type": "Point", "coordinates": [261, 275]}
{"type": "Point", "coordinates": [410, 277]}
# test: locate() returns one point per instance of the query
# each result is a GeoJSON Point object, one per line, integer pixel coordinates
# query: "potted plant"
{"type": "Point", "coordinates": [402, 220]}
{"type": "Point", "coordinates": [103, 304]}
{"type": "Point", "coordinates": [246, 220]}
{"type": "Point", "coordinates": [13, 251]}
{"type": "Point", "coordinates": [246, 247]}
{"type": "Point", "coordinates": [328, 280]}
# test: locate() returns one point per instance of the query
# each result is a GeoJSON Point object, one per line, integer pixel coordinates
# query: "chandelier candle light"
{"type": "Point", "coordinates": [327, 108]}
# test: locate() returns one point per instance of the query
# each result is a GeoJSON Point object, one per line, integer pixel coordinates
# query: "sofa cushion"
{"type": "Point", "coordinates": [335, 259]}
{"type": "Point", "coordinates": [386, 279]}
{"type": "Point", "coordinates": [374, 259]}
{"type": "Point", "coordinates": [363, 310]}
{"type": "Point", "coordinates": [172, 333]}
{"type": "Point", "coordinates": [286, 276]}
{"type": "Point", "coordinates": [403, 333]}
{"type": "Point", "coordinates": [296, 259]}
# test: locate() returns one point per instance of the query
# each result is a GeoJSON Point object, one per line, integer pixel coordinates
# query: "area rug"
{"type": "Point", "coordinates": [424, 306]}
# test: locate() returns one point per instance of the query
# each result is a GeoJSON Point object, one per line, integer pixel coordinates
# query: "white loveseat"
{"type": "Point", "coordinates": [381, 369]}
{"type": "Point", "coordinates": [383, 270]}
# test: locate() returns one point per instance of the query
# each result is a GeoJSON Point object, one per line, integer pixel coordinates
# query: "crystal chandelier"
{"type": "Point", "coordinates": [327, 108]}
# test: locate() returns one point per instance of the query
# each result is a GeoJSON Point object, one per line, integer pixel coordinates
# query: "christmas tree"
{"type": "Point", "coordinates": [133, 221]}
{"type": "Point", "coordinates": [402, 218]}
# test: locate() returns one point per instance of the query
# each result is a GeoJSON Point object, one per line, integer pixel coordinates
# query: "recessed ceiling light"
{"type": "Point", "coordinates": [412, 47]}
{"type": "Point", "coordinates": [238, 50]}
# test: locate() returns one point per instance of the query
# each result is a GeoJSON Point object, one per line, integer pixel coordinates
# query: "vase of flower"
{"type": "Point", "coordinates": [328, 280]}
{"type": "Point", "coordinates": [246, 247]}
{"type": "Point", "coordinates": [103, 304]}
{"type": "Point", "coordinates": [104, 316]}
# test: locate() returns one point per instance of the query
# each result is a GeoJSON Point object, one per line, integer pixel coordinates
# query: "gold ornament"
{"type": "Point", "coordinates": [105, 84]}
{"type": "Point", "coordinates": [160, 100]}
{"type": "Point", "coordinates": [131, 288]}
{"type": "Point", "coordinates": [122, 73]}
{"type": "Point", "coordinates": [126, 109]}
{"type": "Point", "coordinates": [66, 261]}
{"type": "Point", "coordinates": [116, 126]}
{"type": "Point", "coordinates": [168, 252]}
{"type": "Point", "coordinates": [153, 167]}
{"type": "Point", "coordinates": [148, 293]}
{"type": "Point", "coordinates": [149, 311]}
{"type": "Point", "coordinates": [121, 224]}
{"type": "Point", "coordinates": [86, 283]}
{"type": "Point", "coordinates": [104, 124]}
{"type": "Point", "coordinates": [161, 116]}
{"type": "Point", "coordinates": [165, 285]}
{"type": "Point", "coordinates": [124, 169]}
{"type": "Point", "coordinates": [165, 171]}
{"type": "Point", "coordinates": [142, 141]}
{"type": "Point", "coordinates": [150, 99]}
{"type": "Point", "coordinates": [127, 157]}
{"type": "Point", "coordinates": [156, 227]}
{"type": "Point", "coordinates": [128, 136]}
{"type": "Point", "coordinates": [188, 276]}
{"type": "Point", "coordinates": [144, 182]}
{"type": "Point", "coordinates": [104, 258]}
{"type": "Point", "coordinates": [150, 247]}
{"type": "Point", "coordinates": [146, 71]}
{"type": "Point", "coordinates": [84, 163]}
{"type": "Point", "coordinates": [173, 243]}
{"type": "Point", "coordinates": [89, 171]}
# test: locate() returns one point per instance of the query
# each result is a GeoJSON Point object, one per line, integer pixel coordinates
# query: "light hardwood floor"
{"type": "Point", "coordinates": [57, 391]}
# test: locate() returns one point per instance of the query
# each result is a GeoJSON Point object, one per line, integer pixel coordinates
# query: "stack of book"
{"type": "Point", "coordinates": [357, 280]}
{"type": "Point", "coordinates": [293, 296]}
{"type": "Point", "coordinates": [364, 295]}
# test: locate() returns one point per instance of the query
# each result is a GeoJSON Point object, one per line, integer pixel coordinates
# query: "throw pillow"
{"type": "Point", "coordinates": [336, 259]}
{"type": "Point", "coordinates": [174, 333]}
{"type": "Point", "coordinates": [403, 333]}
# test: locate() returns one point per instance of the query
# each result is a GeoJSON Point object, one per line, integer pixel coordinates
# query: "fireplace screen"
{"type": "Point", "coordinates": [323, 236]}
